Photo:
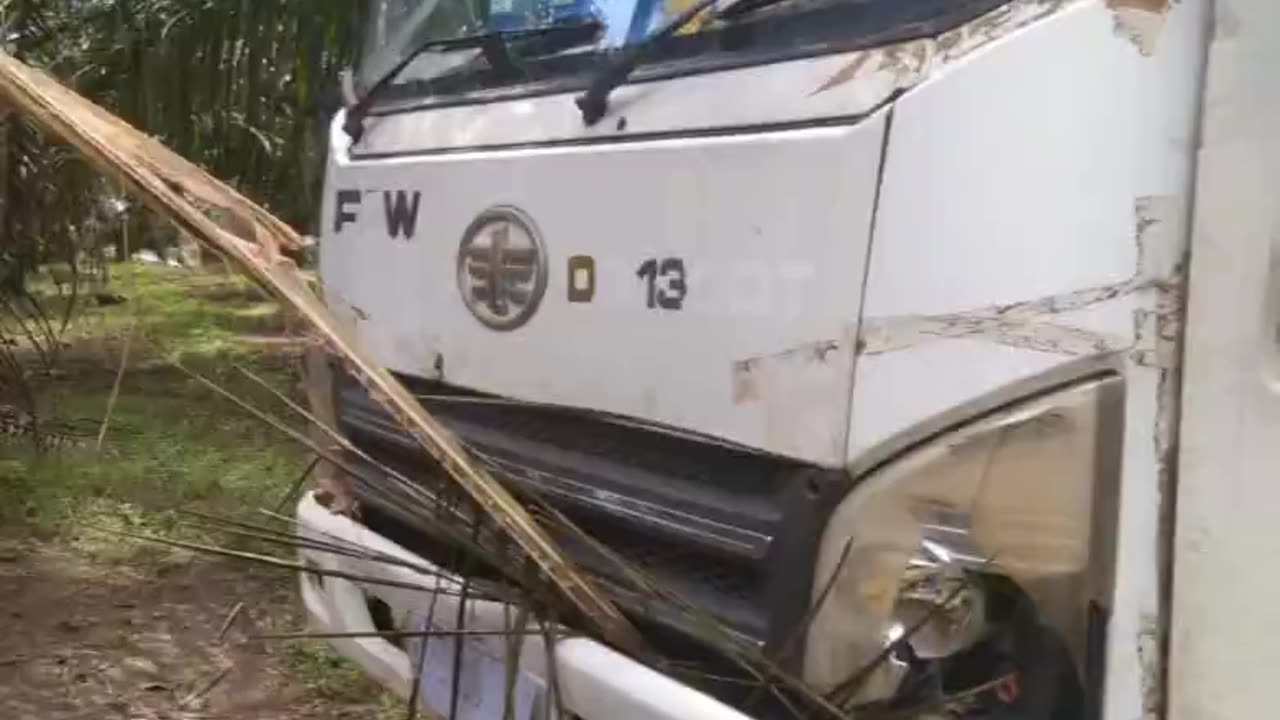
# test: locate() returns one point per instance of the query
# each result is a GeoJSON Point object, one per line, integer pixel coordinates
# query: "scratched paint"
{"type": "Point", "coordinates": [747, 373]}
{"type": "Point", "coordinates": [789, 387]}
{"type": "Point", "coordinates": [1029, 324]}
{"type": "Point", "coordinates": [904, 65]}
{"type": "Point", "coordinates": [1159, 226]}
{"type": "Point", "coordinates": [994, 25]}
{"type": "Point", "coordinates": [1148, 644]}
{"type": "Point", "coordinates": [1026, 325]}
{"type": "Point", "coordinates": [1158, 222]}
{"type": "Point", "coordinates": [348, 315]}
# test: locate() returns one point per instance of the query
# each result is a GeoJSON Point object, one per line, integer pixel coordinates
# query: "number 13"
{"type": "Point", "coordinates": [671, 271]}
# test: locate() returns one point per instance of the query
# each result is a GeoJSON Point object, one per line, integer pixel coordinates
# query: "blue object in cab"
{"type": "Point", "coordinates": [510, 15]}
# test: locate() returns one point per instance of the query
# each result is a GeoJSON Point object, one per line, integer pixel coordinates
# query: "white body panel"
{"type": "Point", "coordinates": [773, 225]}
{"type": "Point", "coordinates": [847, 294]}
{"type": "Point", "coordinates": [596, 683]}
{"type": "Point", "coordinates": [846, 85]}
{"type": "Point", "coordinates": [755, 253]}
{"type": "Point", "coordinates": [1056, 195]}
{"type": "Point", "coordinates": [1222, 650]}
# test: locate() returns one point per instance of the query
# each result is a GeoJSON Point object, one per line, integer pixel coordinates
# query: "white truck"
{"type": "Point", "coordinates": [782, 299]}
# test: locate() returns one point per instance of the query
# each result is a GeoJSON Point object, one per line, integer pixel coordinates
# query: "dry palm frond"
{"type": "Point", "coordinates": [253, 240]}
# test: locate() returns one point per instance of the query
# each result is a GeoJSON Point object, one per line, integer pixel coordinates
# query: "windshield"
{"type": "Point", "coordinates": [766, 31]}
{"type": "Point", "coordinates": [396, 27]}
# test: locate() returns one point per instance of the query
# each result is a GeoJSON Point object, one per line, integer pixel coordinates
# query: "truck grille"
{"type": "Point", "coordinates": [731, 530]}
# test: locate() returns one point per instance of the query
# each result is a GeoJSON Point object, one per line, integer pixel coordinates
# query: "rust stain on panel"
{"type": "Point", "coordinates": [1139, 21]}
{"type": "Point", "coordinates": [1155, 6]}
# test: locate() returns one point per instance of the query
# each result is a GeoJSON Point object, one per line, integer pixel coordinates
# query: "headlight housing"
{"type": "Point", "coordinates": [1020, 503]}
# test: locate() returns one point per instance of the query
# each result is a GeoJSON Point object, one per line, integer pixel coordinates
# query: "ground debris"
{"type": "Point", "coordinates": [153, 668]}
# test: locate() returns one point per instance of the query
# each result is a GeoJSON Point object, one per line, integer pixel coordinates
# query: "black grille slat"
{"type": "Point", "coordinates": [731, 530]}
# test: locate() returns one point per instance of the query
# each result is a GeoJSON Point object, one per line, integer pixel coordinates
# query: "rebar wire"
{"type": "Point", "coordinates": [276, 562]}
{"type": "Point", "coordinates": [416, 691]}
{"type": "Point", "coordinates": [396, 634]}
{"type": "Point", "coordinates": [297, 484]}
{"type": "Point", "coordinates": [709, 629]}
{"type": "Point", "coordinates": [402, 497]}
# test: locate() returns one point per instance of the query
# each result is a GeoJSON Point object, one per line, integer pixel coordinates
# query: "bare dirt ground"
{"type": "Point", "coordinates": [97, 627]}
{"type": "Point", "coordinates": [89, 639]}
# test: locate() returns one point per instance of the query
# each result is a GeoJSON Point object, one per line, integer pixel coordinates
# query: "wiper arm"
{"type": "Point", "coordinates": [493, 44]}
{"type": "Point", "coordinates": [594, 103]}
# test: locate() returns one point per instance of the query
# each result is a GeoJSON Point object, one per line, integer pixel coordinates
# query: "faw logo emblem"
{"type": "Point", "coordinates": [502, 268]}
{"type": "Point", "coordinates": [400, 208]}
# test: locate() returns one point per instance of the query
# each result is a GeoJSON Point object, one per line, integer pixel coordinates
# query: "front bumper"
{"type": "Point", "coordinates": [594, 681]}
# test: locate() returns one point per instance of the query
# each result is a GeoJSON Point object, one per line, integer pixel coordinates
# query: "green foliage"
{"type": "Point", "coordinates": [235, 85]}
{"type": "Point", "coordinates": [171, 442]}
{"type": "Point", "coordinates": [243, 87]}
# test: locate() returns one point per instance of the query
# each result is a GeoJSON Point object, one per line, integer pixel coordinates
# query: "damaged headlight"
{"type": "Point", "coordinates": [974, 569]}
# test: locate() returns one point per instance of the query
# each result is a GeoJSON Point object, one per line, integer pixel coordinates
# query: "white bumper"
{"type": "Point", "coordinates": [595, 682]}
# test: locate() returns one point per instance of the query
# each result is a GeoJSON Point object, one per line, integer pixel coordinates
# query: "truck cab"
{"type": "Point", "coordinates": [841, 319]}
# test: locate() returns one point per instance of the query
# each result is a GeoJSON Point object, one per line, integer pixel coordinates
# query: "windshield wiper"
{"type": "Point", "coordinates": [594, 103]}
{"type": "Point", "coordinates": [495, 46]}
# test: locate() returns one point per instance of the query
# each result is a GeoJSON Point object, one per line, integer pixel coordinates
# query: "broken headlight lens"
{"type": "Point", "coordinates": [971, 568]}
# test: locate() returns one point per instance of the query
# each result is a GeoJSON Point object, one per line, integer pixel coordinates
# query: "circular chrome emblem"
{"type": "Point", "coordinates": [502, 268]}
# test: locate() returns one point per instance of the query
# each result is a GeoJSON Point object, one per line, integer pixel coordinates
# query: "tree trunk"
{"type": "Point", "coordinates": [15, 257]}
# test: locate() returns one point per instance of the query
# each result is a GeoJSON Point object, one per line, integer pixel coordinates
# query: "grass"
{"type": "Point", "coordinates": [329, 677]}
{"type": "Point", "coordinates": [324, 672]}
{"type": "Point", "coordinates": [171, 442]}
{"type": "Point", "coordinates": [188, 314]}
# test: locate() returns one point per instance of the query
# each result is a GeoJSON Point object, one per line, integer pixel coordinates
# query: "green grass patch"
{"type": "Point", "coordinates": [184, 313]}
{"type": "Point", "coordinates": [330, 677]}
{"type": "Point", "coordinates": [171, 442]}
{"type": "Point", "coordinates": [324, 672]}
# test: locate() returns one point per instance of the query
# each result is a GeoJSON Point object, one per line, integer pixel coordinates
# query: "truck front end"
{"type": "Point", "coordinates": [853, 322]}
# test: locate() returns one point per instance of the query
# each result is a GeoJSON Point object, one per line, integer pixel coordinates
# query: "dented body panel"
{"type": "Point", "coordinates": [875, 248]}
{"type": "Point", "coordinates": [1056, 228]}
{"type": "Point", "coordinates": [775, 168]}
